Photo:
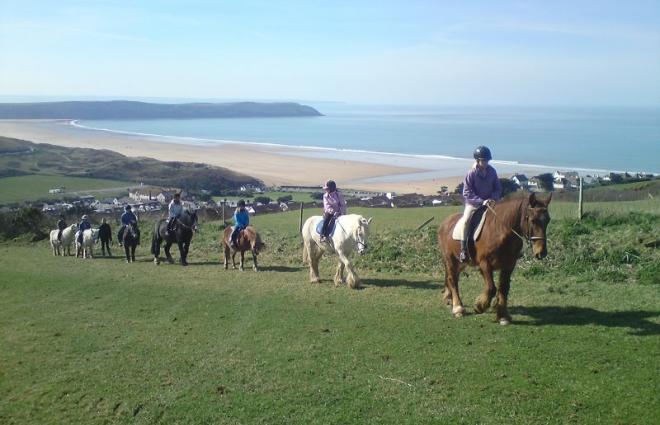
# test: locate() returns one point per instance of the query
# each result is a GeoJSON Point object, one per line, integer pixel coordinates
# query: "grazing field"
{"type": "Point", "coordinates": [31, 187]}
{"type": "Point", "coordinates": [101, 341]}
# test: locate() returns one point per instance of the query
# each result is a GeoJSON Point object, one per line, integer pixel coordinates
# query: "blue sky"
{"type": "Point", "coordinates": [370, 52]}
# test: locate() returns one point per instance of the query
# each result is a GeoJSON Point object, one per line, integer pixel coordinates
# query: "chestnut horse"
{"type": "Point", "coordinates": [248, 240]}
{"type": "Point", "coordinates": [498, 248]}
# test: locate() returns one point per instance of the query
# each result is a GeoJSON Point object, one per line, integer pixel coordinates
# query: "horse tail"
{"type": "Point", "coordinates": [155, 240]}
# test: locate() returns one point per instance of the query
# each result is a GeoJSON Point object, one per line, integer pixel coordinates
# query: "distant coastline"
{"type": "Point", "coordinates": [124, 109]}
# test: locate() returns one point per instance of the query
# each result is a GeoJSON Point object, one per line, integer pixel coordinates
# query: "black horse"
{"type": "Point", "coordinates": [130, 239]}
{"type": "Point", "coordinates": [184, 226]}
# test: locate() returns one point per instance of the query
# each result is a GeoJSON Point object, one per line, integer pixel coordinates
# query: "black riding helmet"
{"type": "Point", "coordinates": [330, 185]}
{"type": "Point", "coordinates": [241, 203]}
{"type": "Point", "coordinates": [482, 152]}
{"type": "Point", "coordinates": [127, 207]}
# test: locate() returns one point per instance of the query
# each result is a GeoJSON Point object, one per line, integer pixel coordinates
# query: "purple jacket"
{"type": "Point", "coordinates": [480, 186]}
{"type": "Point", "coordinates": [333, 202]}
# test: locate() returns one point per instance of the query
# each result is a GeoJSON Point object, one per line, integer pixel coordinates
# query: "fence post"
{"type": "Point", "coordinates": [580, 200]}
{"type": "Point", "coordinates": [301, 216]}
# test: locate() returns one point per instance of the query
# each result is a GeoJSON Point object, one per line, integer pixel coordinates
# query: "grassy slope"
{"type": "Point", "coordinates": [31, 187]}
{"type": "Point", "coordinates": [108, 342]}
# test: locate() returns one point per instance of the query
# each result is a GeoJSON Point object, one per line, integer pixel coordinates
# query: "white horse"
{"type": "Point", "coordinates": [351, 232]}
{"type": "Point", "coordinates": [65, 243]}
{"type": "Point", "coordinates": [90, 237]}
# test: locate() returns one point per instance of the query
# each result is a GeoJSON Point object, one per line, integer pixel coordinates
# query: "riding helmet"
{"type": "Point", "coordinates": [127, 207]}
{"type": "Point", "coordinates": [482, 152]}
{"type": "Point", "coordinates": [330, 185]}
{"type": "Point", "coordinates": [84, 217]}
{"type": "Point", "coordinates": [241, 203]}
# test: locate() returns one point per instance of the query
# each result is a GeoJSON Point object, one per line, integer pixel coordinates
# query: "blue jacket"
{"type": "Point", "coordinates": [84, 225]}
{"type": "Point", "coordinates": [241, 218]}
{"type": "Point", "coordinates": [127, 217]}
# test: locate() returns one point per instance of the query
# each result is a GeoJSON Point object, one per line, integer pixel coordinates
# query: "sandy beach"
{"type": "Point", "coordinates": [275, 165]}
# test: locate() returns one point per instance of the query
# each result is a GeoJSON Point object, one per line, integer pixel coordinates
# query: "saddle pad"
{"type": "Point", "coordinates": [319, 227]}
{"type": "Point", "coordinates": [457, 234]}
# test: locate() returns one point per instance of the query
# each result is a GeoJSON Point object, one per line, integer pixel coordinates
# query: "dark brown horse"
{"type": "Point", "coordinates": [508, 226]}
{"type": "Point", "coordinates": [248, 240]}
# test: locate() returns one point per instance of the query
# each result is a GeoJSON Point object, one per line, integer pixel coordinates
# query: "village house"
{"type": "Point", "coordinates": [534, 184]}
{"type": "Point", "coordinates": [566, 179]}
{"type": "Point", "coordinates": [521, 180]}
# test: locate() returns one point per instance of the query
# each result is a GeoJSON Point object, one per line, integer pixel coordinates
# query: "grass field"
{"type": "Point", "coordinates": [100, 341]}
{"type": "Point", "coordinates": [31, 187]}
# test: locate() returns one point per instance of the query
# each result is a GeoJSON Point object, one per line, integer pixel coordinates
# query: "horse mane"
{"type": "Point", "coordinates": [509, 211]}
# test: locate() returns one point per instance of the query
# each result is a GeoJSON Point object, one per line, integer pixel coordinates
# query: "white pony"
{"type": "Point", "coordinates": [351, 232]}
{"type": "Point", "coordinates": [90, 237]}
{"type": "Point", "coordinates": [65, 243]}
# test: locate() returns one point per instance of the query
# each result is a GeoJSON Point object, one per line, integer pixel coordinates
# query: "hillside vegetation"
{"type": "Point", "coordinates": [123, 109]}
{"type": "Point", "coordinates": [100, 341]}
{"type": "Point", "coordinates": [18, 157]}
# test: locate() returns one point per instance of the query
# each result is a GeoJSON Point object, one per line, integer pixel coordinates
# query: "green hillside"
{"type": "Point", "coordinates": [101, 341]}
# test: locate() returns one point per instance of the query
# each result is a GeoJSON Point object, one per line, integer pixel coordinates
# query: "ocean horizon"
{"type": "Point", "coordinates": [590, 140]}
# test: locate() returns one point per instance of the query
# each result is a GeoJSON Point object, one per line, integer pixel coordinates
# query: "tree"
{"type": "Point", "coordinates": [316, 195]}
{"type": "Point", "coordinates": [285, 198]}
{"type": "Point", "coordinates": [262, 200]}
{"type": "Point", "coordinates": [459, 189]}
{"type": "Point", "coordinates": [546, 182]}
{"type": "Point", "coordinates": [508, 186]}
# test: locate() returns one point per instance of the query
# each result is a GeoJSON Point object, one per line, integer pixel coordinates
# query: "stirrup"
{"type": "Point", "coordinates": [463, 257]}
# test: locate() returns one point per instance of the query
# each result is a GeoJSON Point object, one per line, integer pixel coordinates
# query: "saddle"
{"type": "Point", "coordinates": [475, 227]}
{"type": "Point", "coordinates": [331, 230]}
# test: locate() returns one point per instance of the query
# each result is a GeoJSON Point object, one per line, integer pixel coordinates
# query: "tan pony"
{"type": "Point", "coordinates": [248, 240]}
{"type": "Point", "coordinates": [507, 227]}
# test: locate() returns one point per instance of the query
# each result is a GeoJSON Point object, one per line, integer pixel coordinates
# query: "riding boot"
{"type": "Point", "coordinates": [464, 252]}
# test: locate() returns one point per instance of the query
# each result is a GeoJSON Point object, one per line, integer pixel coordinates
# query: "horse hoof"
{"type": "Point", "coordinates": [458, 311]}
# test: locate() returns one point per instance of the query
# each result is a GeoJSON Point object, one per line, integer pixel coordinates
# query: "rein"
{"type": "Point", "coordinates": [357, 242]}
{"type": "Point", "coordinates": [527, 238]}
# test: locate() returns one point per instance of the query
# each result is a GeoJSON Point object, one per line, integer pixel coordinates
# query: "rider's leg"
{"type": "Point", "coordinates": [326, 225]}
{"type": "Point", "coordinates": [467, 215]}
{"type": "Point", "coordinates": [234, 236]}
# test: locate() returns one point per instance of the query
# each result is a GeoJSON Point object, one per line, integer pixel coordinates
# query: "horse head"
{"type": "Point", "coordinates": [131, 229]}
{"type": "Point", "coordinates": [362, 233]}
{"type": "Point", "coordinates": [536, 224]}
{"type": "Point", "coordinates": [256, 244]}
{"type": "Point", "coordinates": [189, 219]}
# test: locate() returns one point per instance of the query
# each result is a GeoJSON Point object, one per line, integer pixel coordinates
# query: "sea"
{"type": "Point", "coordinates": [590, 140]}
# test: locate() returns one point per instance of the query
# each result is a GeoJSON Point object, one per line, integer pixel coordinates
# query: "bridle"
{"type": "Point", "coordinates": [359, 242]}
{"type": "Point", "coordinates": [525, 222]}
{"type": "Point", "coordinates": [192, 227]}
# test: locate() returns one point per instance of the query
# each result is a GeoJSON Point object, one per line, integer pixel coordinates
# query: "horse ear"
{"type": "Point", "coordinates": [532, 199]}
{"type": "Point", "coordinates": [369, 220]}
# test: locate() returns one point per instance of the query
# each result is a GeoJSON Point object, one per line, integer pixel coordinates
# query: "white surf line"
{"type": "Point", "coordinates": [426, 157]}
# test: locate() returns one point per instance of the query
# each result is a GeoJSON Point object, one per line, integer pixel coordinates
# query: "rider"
{"type": "Point", "coordinates": [82, 226]}
{"type": "Point", "coordinates": [241, 221]}
{"type": "Point", "coordinates": [333, 206]}
{"type": "Point", "coordinates": [105, 235]}
{"type": "Point", "coordinates": [481, 187]}
{"type": "Point", "coordinates": [127, 218]}
{"type": "Point", "coordinates": [175, 209]}
{"type": "Point", "coordinates": [61, 225]}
